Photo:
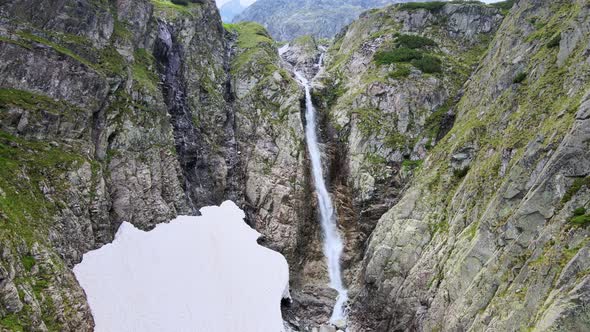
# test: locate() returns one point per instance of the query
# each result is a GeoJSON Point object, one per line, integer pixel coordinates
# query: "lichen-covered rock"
{"type": "Point", "coordinates": [269, 138]}
{"type": "Point", "coordinates": [391, 83]}
{"type": "Point", "coordinates": [273, 161]}
{"type": "Point", "coordinates": [486, 235]}
{"type": "Point", "coordinates": [303, 55]}
{"type": "Point", "coordinates": [89, 139]}
{"type": "Point", "coordinates": [157, 113]}
{"type": "Point", "coordinates": [390, 111]}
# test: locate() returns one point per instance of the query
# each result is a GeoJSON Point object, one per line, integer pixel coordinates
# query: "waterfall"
{"type": "Point", "coordinates": [333, 245]}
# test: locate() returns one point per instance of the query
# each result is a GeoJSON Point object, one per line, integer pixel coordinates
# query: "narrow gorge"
{"type": "Point", "coordinates": [432, 173]}
{"type": "Point", "coordinates": [332, 241]}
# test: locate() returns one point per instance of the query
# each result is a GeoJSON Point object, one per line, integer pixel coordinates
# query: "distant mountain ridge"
{"type": "Point", "coordinates": [288, 19]}
{"type": "Point", "coordinates": [230, 9]}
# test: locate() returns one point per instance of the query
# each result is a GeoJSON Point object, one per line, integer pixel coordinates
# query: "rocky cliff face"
{"type": "Point", "coordinates": [134, 111]}
{"type": "Point", "coordinates": [391, 83]}
{"type": "Point", "coordinates": [455, 140]}
{"type": "Point", "coordinates": [269, 138]}
{"type": "Point", "coordinates": [103, 112]}
{"type": "Point", "coordinates": [488, 235]}
{"type": "Point", "coordinates": [278, 198]}
{"type": "Point", "coordinates": [86, 143]}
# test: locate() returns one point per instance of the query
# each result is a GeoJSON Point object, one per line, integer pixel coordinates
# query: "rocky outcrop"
{"type": "Point", "coordinates": [303, 55]}
{"type": "Point", "coordinates": [90, 138]}
{"type": "Point", "coordinates": [390, 86]}
{"type": "Point", "coordinates": [269, 140]}
{"type": "Point", "coordinates": [191, 53]}
{"type": "Point", "coordinates": [136, 112]}
{"type": "Point", "coordinates": [487, 237]}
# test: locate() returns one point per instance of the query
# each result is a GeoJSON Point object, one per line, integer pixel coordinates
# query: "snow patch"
{"type": "Point", "coordinates": [202, 273]}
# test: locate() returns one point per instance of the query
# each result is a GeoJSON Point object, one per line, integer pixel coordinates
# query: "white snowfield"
{"type": "Point", "coordinates": [202, 273]}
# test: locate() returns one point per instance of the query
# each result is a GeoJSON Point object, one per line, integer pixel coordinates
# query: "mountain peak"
{"type": "Point", "coordinates": [289, 19]}
{"type": "Point", "coordinates": [230, 9]}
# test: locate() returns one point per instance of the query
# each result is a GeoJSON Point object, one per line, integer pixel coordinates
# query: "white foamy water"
{"type": "Point", "coordinates": [197, 274]}
{"type": "Point", "coordinates": [283, 49]}
{"type": "Point", "coordinates": [333, 245]}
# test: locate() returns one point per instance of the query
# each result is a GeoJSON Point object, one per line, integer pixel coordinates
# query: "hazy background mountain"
{"type": "Point", "coordinates": [245, 3]}
{"type": "Point", "coordinates": [230, 9]}
{"type": "Point", "coordinates": [289, 19]}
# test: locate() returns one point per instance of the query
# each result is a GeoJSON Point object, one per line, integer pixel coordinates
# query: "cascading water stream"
{"type": "Point", "coordinates": [333, 245]}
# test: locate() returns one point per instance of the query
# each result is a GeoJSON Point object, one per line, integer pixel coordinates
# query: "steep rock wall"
{"type": "Point", "coordinates": [134, 111]}
{"type": "Point", "coordinates": [389, 90]}
{"type": "Point", "coordinates": [486, 237]}
{"type": "Point", "coordinates": [90, 138]}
